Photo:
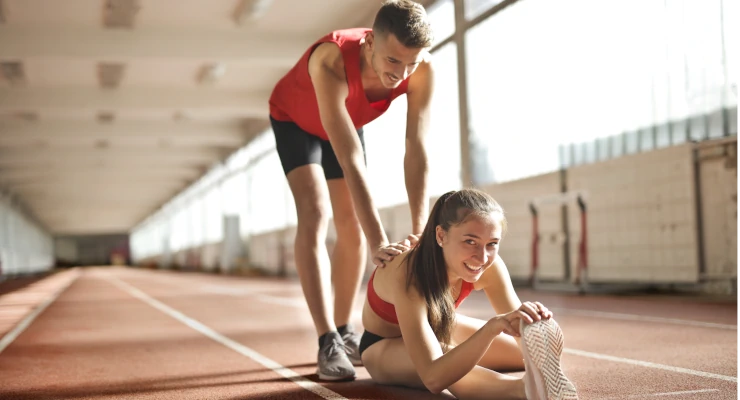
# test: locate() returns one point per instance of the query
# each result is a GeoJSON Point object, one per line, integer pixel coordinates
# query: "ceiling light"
{"type": "Point", "coordinates": [250, 10]}
{"type": "Point", "coordinates": [211, 73]}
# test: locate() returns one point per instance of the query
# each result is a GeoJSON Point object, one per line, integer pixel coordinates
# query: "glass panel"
{"type": "Point", "coordinates": [589, 151]}
{"type": "Point", "coordinates": [730, 37]}
{"type": "Point", "coordinates": [474, 8]}
{"type": "Point", "coordinates": [732, 117]}
{"type": "Point", "coordinates": [632, 144]}
{"type": "Point", "coordinates": [442, 18]}
{"type": "Point", "coordinates": [570, 87]}
{"type": "Point", "coordinates": [213, 215]}
{"type": "Point", "coordinates": [663, 136]}
{"type": "Point", "coordinates": [679, 132]}
{"type": "Point", "coordinates": [24, 247]}
{"type": "Point", "coordinates": [564, 152]}
{"type": "Point", "coordinates": [698, 128]}
{"type": "Point", "coordinates": [602, 151]}
{"type": "Point", "coordinates": [617, 146]}
{"type": "Point", "coordinates": [385, 143]}
{"type": "Point", "coordinates": [716, 128]}
{"type": "Point", "coordinates": [646, 139]}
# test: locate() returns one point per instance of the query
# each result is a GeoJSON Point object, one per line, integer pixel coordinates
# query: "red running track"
{"type": "Point", "coordinates": [122, 333]}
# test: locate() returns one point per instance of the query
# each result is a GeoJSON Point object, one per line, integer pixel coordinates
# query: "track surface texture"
{"type": "Point", "coordinates": [126, 333]}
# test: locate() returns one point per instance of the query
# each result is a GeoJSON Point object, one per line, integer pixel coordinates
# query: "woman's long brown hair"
{"type": "Point", "coordinates": [427, 268]}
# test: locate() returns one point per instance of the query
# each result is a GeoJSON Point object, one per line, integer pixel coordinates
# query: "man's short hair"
{"type": "Point", "coordinates": [407, 21]}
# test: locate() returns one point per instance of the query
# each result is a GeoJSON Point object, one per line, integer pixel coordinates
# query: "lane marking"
{"type": "Point", "coordinates": [644, 318]}
{"type": "Point", "coordinates": [642, 396]}
{"type": "Point", "coordinates": [253, 291]}
{"type": "Point", "coordinates": [649, 364]}
{"type": "Point", "coordinates": [237, 347]}
{"type": "Point", "coordinates": [26, 322]}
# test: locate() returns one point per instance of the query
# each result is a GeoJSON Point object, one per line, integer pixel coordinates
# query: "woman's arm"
{"type": "Point", "coordinates": [496, 282]}
{"type": "Point", "coordinates": [439, 370]}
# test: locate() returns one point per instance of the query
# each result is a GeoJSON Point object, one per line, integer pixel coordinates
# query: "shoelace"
{"type": "Point", "coordinates": [334, 348]}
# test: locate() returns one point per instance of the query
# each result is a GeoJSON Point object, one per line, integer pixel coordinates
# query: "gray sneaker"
{"type": "Point", "coordinates": [352, 347]}
{"type": "Point", "coordinates": [333, 362]}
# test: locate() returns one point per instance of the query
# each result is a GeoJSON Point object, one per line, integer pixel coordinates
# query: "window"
{"type": "Point", "coordinates": [442, 18]}
{"type": "Point", "coordinates": [474, 8]}
{"type": "Point", "coordinates": [576, 79]}
{"type": "Point", "coordinates": [385, 139]}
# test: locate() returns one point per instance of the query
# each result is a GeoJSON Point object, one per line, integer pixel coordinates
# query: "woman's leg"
{"type": "Point", "coordinates": [388, 363]}
{"type": "Point", "coordinates": [504, 354]}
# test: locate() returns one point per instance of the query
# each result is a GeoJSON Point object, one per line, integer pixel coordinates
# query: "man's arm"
{"type": "Point", "coordinates": [419, 96]}
{"type": "Point", "coordinates": [331, 91]}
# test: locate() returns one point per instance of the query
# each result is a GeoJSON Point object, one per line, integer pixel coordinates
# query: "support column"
{"type": "Point", "coordinates": [231, 248]}
{"type": "Point", "coordinates": [466, 171]}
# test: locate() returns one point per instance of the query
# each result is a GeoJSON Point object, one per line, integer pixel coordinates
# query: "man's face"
{"type": "Point", "coordinates": [392, 61]}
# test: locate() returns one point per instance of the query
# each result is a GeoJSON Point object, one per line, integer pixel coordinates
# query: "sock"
{"type": "Point", "coordinates": [322, 338]}
{"type": "Point", "coordinates": [345, 328]}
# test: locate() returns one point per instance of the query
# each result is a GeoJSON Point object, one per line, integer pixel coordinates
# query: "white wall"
{"type": "Point", "coordinates": [24, 246]}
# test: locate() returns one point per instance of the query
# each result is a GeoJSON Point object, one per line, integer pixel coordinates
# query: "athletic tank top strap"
{"type": "Point", "coordinates": [387, 311]}
{"type": "Point", "coordinates": [465, 291]}
{"type": "Point", "coordinates": [351, 57]}
{"type": "Point", "coordinates": [382, 308]}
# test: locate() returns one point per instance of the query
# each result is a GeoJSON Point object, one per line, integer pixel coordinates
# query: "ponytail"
{"type": "Point", "coordinates": [427, 269]}
{"type": "Point", "coordinates": [428, 273]}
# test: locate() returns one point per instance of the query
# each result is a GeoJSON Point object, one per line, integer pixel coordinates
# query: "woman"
{"type": "Point", "coordinates": [415, 338]}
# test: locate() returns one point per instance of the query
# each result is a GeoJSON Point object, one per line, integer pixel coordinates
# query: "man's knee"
{"type": "Point", "coordinates": [348, 227]}
{"type": "Point", "coordinates": [313, 212]}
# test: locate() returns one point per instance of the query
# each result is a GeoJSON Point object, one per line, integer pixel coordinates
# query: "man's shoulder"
{"type": "Point", "coordinates": [426, 64]}
{"type": "Point", "coordinates": [423, 77]}
{"type": "Point", "coordinates": [329, 56]}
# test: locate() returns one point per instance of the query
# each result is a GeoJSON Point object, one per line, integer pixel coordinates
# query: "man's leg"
{"type": "Point", "coordinates": [311, 258]}
{"type": "Point", "coordinates": [349, 256]}
{"type": "Point", "coordinates": [300, 155]}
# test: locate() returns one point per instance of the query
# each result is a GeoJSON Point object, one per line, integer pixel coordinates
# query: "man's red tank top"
{"type": "Point", "coordinates": [294, 99]}
{"type": "Point", "coordinates": [387, 311]}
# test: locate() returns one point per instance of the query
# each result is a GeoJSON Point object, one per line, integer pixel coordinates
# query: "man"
{"type": "Point", "coordinates": [317, 110]}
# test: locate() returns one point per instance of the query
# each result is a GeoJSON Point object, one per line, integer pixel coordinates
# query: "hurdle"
{"type": "Point", "coordinates": [580, 282]}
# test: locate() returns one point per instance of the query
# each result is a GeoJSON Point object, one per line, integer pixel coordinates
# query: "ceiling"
{"type": "Point", "coordinates": [109, 108]}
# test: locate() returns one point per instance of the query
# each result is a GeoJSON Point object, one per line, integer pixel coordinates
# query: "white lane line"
{"type": "Point", "coordinates": [237, 347]}
{"type": "Point", "coordinates": [26, 322]}
{"type": "Point", "coordinates": [649, 365]}
{"type": "Point", "coordinates": [644, 318]}
{"type": "Point", "coordinates": [642, 396]}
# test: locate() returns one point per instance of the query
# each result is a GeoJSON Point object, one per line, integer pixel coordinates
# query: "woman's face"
{"type": "Point", "coordinates": [471, 247]}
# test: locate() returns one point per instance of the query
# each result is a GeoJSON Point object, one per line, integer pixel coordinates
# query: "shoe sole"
{"type": "Point", "coordinates": [542, 347]}
{"type": "Point", "coordinates": [335, 378]}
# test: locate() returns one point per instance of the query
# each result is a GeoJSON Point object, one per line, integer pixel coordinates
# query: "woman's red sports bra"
{"type": "Point", "coordinates": [387, 311]}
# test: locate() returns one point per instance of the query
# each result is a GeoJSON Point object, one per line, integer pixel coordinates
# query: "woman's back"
{"type": "Point", "coordinates": [387, 284]}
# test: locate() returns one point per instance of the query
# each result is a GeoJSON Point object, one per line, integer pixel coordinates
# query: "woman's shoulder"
{"type": "Point", "coordinates": [392, 277]}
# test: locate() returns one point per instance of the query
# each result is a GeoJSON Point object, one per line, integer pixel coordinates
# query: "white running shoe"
{"type": "Point", "coordinates": [542, 345]}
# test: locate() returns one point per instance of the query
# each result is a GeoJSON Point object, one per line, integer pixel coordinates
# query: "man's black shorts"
{"type": "Point", "coordinates": [297, 147]}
